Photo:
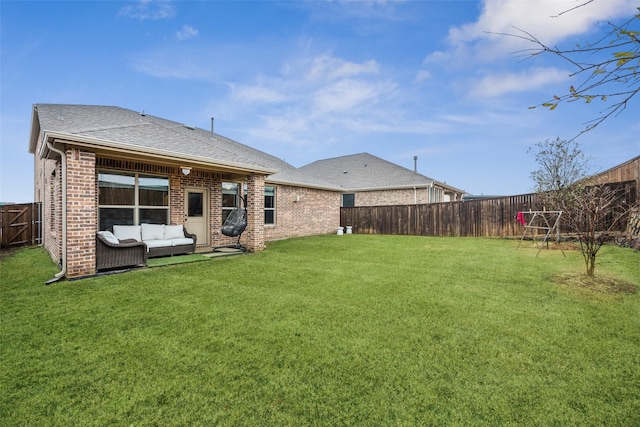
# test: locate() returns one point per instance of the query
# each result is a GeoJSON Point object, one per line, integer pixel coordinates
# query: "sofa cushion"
{"type": "Point", "coordinates": [158, 243]}
{"type": "Point", "coordinates": [182, 241]}
{"type": "Point", "coordinates": [123, 232]}
{"type": "Point", "coordinates": [152, 232]}
{"type": "Point", "coordinates": [109, 237]}
{"type": "Point", "coordinates": [173, 232]}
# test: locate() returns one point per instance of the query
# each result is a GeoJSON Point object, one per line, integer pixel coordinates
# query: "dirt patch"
{"type": "Point", "coordinates": [7, 252]}
{"type": "Point", "coordinates": [598, 284]}
{"type": "Point", "coordinates": [563, 246]}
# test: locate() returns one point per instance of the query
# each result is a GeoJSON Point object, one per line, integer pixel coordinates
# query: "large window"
{"type": "Point", "coordinates": [230, 200]}
{"type": "Point", "coordinates": [132, 199]}
{"type": "Point", "coordinates": [269, 205]}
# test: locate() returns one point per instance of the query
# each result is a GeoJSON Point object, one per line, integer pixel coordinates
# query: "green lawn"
{"type": "Point", "coordinates": [325, 331]}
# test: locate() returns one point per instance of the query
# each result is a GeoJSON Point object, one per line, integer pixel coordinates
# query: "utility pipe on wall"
{"type": "Point", "coordinates": [63, 158]}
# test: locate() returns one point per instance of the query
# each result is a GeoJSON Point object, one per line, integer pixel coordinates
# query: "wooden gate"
{"type": "Point", "coordinates": [20, 225]}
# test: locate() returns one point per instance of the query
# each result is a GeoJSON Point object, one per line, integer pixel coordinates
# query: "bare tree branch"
{"type": "Point", "coordinates": [612, 60]}
{"type": "Point", "coordinates": [573, 8]}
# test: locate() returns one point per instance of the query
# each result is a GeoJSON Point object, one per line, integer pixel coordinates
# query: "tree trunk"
{"type": "Point", "coordinates": [591, 264]}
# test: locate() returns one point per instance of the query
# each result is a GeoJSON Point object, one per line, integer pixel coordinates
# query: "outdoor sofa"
{"type": "Point", "coordinates": [131, 245]}
{"type": "Point", "coordinates": [112, 254]}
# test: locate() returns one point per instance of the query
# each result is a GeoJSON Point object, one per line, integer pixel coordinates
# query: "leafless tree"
{"type": "Point", "coordinates": [591, 211]}
{"type": "Point", "coordinates": [594, 212]}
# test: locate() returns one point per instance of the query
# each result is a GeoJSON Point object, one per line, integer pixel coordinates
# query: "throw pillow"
{"type": "Point", "coordinates": [152, 232]}
{"type": "Point", "coordinates": [109, 237]}
{"type": "Point", "coordinates": [123, 232]}
{"type": "Point", "coordinates": [173, 232]}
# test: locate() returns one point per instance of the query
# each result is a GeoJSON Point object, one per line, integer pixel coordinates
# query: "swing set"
{"type": "Point", "coordinates": [540, 226]}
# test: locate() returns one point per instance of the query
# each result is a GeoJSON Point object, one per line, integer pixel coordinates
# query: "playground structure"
{"type": "Point", "coordinates": [540, 226]}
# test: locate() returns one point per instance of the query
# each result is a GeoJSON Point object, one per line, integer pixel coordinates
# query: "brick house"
{"type": "Point", "coordinates": [367, 180]}
{"type": "Point", "coordinates": [99, 166]}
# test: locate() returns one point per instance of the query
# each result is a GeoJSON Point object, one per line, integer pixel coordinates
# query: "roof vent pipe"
{"type": "Point", "coordinates": [415, 163]}
{"type": "Point", "coordinates": [211, 126]}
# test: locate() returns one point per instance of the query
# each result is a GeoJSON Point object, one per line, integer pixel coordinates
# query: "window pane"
{"type": "Point", "coordinates": [154, 216]}
{"type": "Point", "coordinates": [229, 200]}
{"type": "Point", "coordinates": [269, 202]}
{"type": "Point", "coordinates": [195, 204]}
{"type": "Point", "coordinates": [269, 217]}
{"type": "Point", "coordinates": [348, 200]}
{"type": "Point", "coordinates": [116, 189]}
{"type": "Point", "coordinates": [115, 216]}
{"type": "Point", "coordinates": [153, 191]}
{"type": "Point", "coordinates": [269, 191]}
{"type": "Point", "coordinates": [229, 188]}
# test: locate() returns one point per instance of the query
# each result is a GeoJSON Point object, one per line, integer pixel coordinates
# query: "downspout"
{"type": "Point", "coordinates": [431, 192]}
{"type": "Point", "coordinates": [63, 157]}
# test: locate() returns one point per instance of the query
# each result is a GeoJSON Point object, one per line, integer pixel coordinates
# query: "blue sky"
{"type": "Point", "coordinates": [306, 81]}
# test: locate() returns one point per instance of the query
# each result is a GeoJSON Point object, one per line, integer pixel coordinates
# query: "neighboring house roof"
{"type": "Point", "coordinates": [109, 128]}
{"type": "Point", "coordinates": [365, 172]}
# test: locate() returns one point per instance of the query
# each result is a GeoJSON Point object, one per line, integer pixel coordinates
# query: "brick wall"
{"type": "Point", "coordinates": [51, 194]}
{"type": "Point", "coordinates": [255, 236]}
{"type": "Point", "coordinates": [304, 212]}
{"type": "Point", "coordinates": [82, 214]}
{"type": "Point", "coordinates": [48, 191]}
{"type": "Point", "coordinates": [393, 197]}
{"type": "Point", "coordinates": [299, 211]}
{"type": "Point", "coordinates": [215, 215]}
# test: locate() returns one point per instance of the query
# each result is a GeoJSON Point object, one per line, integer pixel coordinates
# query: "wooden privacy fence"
{"type": "Point", "coordinates": [478, 218]}
{"type": "Point", "coordinates": [20, 224]}
{"type": "Point", "coordinates": [494, 217]}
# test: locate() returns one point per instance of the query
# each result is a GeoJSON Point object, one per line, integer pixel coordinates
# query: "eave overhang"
{"type": "Point", "coordinates": [403, 187]}
{"type": "Point", "coordinates": [121, 150]}
{"type": "Point", "coordinates": [277, 181]}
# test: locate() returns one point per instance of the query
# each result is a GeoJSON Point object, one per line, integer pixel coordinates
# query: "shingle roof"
{"type": "Point", "coordinates": [120, 125]}
{"type": "Point", "coordinates": [110, 124]}
{"type": "Point", "coordinates": [364, 171]}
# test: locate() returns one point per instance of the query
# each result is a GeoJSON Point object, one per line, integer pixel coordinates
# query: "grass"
{"type": "Point", "coordinates": [329, 330]}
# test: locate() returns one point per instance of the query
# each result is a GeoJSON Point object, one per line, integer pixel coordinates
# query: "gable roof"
{"type": "Point", "coordinates": [366, 172]}
{"type": "Point", "coordinates": [107, 128]}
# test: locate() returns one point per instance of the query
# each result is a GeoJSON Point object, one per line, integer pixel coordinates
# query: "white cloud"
{"type": "Point", "coordinates": [331, 68]}
{"type": "Point", "coordinates": [186, 32]}
{"type": "Point", "coordinates": [313, 88]}
{"type": "Point", "coordinates": [543, 18]}
{"type": "Point", "coordinates": [256, 93]}
{"type": "Point", "coordinates": [422, 75]}
{"type": "Point", "coordinates": [149, 9]}
{"type": "Point", "coordinates": [348, 95]}
{"type": "Point", "coordinates": [174, 64]}
{"type": "Point", "coordinates": [484, 47]}
{"type": "Point", "coordinates": [499, 84]}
